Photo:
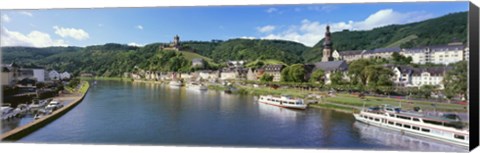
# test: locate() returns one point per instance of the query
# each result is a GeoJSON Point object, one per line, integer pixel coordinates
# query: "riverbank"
{"type": "Point", "coordinates": [347, 102]}
{"type": "Point", "coordinates": [22, 131]}
{"type": "Point", "coordinates": [106, 78]}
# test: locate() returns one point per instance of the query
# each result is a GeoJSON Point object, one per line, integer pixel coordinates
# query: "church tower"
{"type": "Point", "coordinates": [327, 46]}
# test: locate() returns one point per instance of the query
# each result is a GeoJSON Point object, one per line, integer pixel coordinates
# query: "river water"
{"type": "Point", "coordinates": [151, 114]}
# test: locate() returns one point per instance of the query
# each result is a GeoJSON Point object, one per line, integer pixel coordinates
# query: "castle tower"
{"type": "Point", "coordinates": [176, 41]}
{"type": "Point", "coordinates": [327, 46]}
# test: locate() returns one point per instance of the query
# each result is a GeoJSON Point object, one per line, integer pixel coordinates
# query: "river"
{"type": "Point", "coordinates": [115, 112]}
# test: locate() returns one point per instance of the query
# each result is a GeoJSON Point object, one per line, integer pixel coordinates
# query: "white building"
{"type": "Point", "coordinates": [407, 76]}
{"type": "Point", "coordinates": [40, 75]}
{"type": "Point", "coordinates": [440, 54]}
{"type": "Point", "coordinates": [54, 75]}
{"type": "Point", "coordinates": [65, 76]}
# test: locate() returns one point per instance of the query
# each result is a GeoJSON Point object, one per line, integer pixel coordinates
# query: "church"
{"type": "Point", "coordinates": [175, 45]}
{"type": "Point", "coordinates": [329, 64]}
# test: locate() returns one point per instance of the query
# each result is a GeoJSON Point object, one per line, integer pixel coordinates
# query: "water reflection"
{"type": "Point", "coordinates": [388, 137]}
{"type": "Point", "coordinates": [279, 113]}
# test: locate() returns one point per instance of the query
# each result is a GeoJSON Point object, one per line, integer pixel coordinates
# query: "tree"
{"type": "Point", "coordinates": [336, 78]}
{"type": "Point", "coordinates": [426, 91]}
{"type": "Point", "coordinates": [317, 76]}
{"type": "Point", "coordinates": [356, 71]}
{"type": "Point", "coordinates": [285, 75]}
{"type": "Point", "coordinates": [456, 80]}
{"type": "Point", "coordinates": [297, 73]}
{"type": "Point", "coordinates": [266, 78]}
{"type": "Point", "coordinates": [400, 59]}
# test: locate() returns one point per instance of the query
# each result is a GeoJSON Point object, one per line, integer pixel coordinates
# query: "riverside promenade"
{"type": "Point", "coordinates": [22, 131]}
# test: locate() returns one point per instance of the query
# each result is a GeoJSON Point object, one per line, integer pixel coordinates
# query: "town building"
{"type": "Point", "coordinates": [274, 70]}
{"type": "Point", "coordinates": [40, 74]}
{"type": "Point", "coordinates": [255, 74]}
{"type": "Point", "coordinates": [175, 45]}
{"type": "Point", "coordinates": [65, 75]}
{"type": "Point", "coordinates": [438, 54]}
{"type": "Point", "coordinates": [381, 52]}
{"type": "Point", "coordinates": [429, 76]}
{"type": "Point", "coordinates": [328, 68]}
{"type": "Point", "coordinates": [9, 74]}
{"type": "Point", "coordinates": [233, 73]}
{"type": "Point", "coordinates": [54, 75]}
{"type": "Point", "coordinates": [198, 63]}
{"type": "Point", "coordinates": [349, 55]}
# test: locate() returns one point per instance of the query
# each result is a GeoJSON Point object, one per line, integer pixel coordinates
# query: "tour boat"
{"type": "Point", "coordinates": [54, 105]}
{"type": "Point", "coordinates": [197, 86]}
{"type": "Point", "coordinates": [283, 101]}
{"type": "Point", "coordinates": [447, 128]}
{"type": "Point", "coordinates": [175, 83]}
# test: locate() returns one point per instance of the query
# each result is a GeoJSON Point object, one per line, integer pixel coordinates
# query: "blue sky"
{"type": "Point", "coordinates": [140, 26]}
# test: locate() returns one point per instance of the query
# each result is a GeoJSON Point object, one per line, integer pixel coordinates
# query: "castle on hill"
{"type": "Point", "coordinates": [175, 45]}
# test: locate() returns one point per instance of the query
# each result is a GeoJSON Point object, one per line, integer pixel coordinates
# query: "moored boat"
{"type": "Point", "coordinates": [447, 128]}
{"type": "Point", "coordinates": [283, 101]}
{"type": "Point", "coordinates": [175, 83]}
{"type": "Point", "coordinates": [197, 86]}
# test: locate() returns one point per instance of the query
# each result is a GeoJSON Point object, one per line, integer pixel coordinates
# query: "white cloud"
{"type": "Point", "coordinates": [266, 29]}
{"type": "Point", "coordinates": [310, 32]}
{"type": "Point", "coordinates": [246, 37]}
{"type": "Point", "coordinates": [77, 34]}
{"type": "Point", "coordinates": [139, 27]}
{"type": "Point", "coordinates": [322, 8]}
{"type": "Point", "coordinates": [33, 39]}
{"type": "Point", "coordinates": [135, 44]}
{"type": "Point", "coordinates": [271, 10]}
{"type": "Point", "coordinates": [5, 18]}
{"type": "Point", "coordinates": [26, 13]}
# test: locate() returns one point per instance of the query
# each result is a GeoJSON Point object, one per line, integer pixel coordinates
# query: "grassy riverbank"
{"type": "Point", "coordinates": [106, 78]}
{"type": "Point", "coordinates": [346, 102]}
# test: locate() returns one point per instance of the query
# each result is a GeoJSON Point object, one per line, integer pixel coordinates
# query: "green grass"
{"type": "Point", "coordinates": [401, 41]}
{"type": "Point", "coordinates": [375, 101]}
{"type": "Point", "coordinates": [83, 89]}
{"type": "Point", "coordinates": [106, 78]}
{"type": "Point", "coordinates": [267, 62]}
{"type": "Point", "coordinates": [334, 107]}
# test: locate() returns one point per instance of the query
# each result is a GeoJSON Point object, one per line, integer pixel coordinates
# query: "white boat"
{"type": "Point", "coordinates": [37, 104]}
{"type": "Point", "coordinates": [7, 112]}
{"type": "Point", "coordinates": [197, 86]}
{"type": "Point", "coordinates": [283, 101]}
{"type": "Point", "coordinates": [447, 128]}
{"type": "Point", "coordinates": [54, 105]}
{"type": "Point", "coordinates": [175, 83]}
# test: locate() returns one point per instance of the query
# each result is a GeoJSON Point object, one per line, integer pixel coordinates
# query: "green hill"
{"type": "Point", "coordinates": [259, 63]}
{"type": "Point", "coordinates": [441, 30]}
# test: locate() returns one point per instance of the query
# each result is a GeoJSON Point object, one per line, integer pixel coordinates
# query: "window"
{"type": "Point", "coordinates": [425, 130]}
{"type": "Point", "coordinates": [370, 118]}
{"type": "Point", "coordinates": [365, 117]}
{"type": "Point", "coordinates": [461, 137]}
{"type": "Point", "coordinates": [416, 119]}
{"type": "Point", "coordinates": [406, 126]}
{"type": "Point", "coordinates": [403, 117]}
{"type": "Point", "coordinates": [390, 122]}
{"type": "Point", "coordinates": [376, 119]}
{"type": "Point", "coordinates": [398, 124]}
{"type": "Point", "coordinates": [415, 128]}
{"type": "Point", "coordinates": [432, 122]}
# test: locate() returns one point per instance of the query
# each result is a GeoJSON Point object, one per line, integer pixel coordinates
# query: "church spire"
{"type": "Point", "coordinates": [327, 46]}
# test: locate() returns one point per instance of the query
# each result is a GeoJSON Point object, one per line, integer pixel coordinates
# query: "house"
{"type": "Point", "coordinates": [429, 76]}
{"type": "Point", "coordinates": [40, 74]}
{"type": "Point", "coordinates": [233, 73]}
{"type": "Point", "coordinates": [381, 52]}
{"type": "Point", "coordinates": [9, 74]}
{"type": "Point", "coordinates": [24, 73]}
{"type": "Point", "coordinates": [255, 74]}
{"type": "Point", "coordinates": [209, 75]}
{"type": "Point", "coordinates": [54, 75]}
{"type": "Point", "coordinates": [328, 68]}
{"type": "Point", "coordinates": [438, 54]}
{"type": "Point", "coordinates": [235, 63]}
{"type": "Point", "coordinates": [65, 76]}
{"type": "Point", "coordinates": [349, 55]}
{"type": "Point", "coordinates": [274, 70]}
{"type": "Point", "coordinates": [402, 75]}
{"type": "Point", "coordinates": [198, 63]}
